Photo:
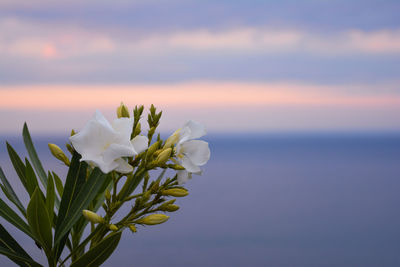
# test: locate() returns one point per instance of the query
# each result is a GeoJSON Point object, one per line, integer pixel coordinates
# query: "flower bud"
{"type": "Point", "coordinates": [137, 129]}
{"type": "Point", "coordinates": [73, 132]}
{"type": "Point", "coordinates": [170, 208]}
{"type": "Point", "coordinates": [107, 194]}
{"type": "Point", "coordinates": [153, 219]}
{"type": "Point", "coordinates": [164, 156]}
{"type": "Point", "coordinates": [173, 139]}
{"type": "Point", "coordinates": [58, 153]}
{"type": "Point", "coordinates": [113, 227]}
{"type": "Point", "coordinates": [175, 192]}
{"type": "Point", "coordinates": [93, 217]}
{"type": "Point", "coordinates": [176, 167]}
{"type": "Point", "coordinates": [153, 148]}
{"type": "Point", "coordinates": [122, 111]}
{"type": "Point", "coordinates": [132, 228]}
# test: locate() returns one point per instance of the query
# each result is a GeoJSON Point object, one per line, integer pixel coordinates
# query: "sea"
{"type": "Point", "coordinates": [267, 199]}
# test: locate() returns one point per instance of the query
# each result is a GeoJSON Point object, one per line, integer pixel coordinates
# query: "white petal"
{"type": "Point", "coordinates": [197, 130]}
{"type": "Point", "coordinates": [99, 162]}
{"type": "Point", "coordinates": [196, 150]}
{"type": "Point", "coordinates": [189, 165]}
{"type": "Point", "coordinates": [92, 139]}
{"type": "Point", "coordinates": [123, 166]}
{"type": "Point", "coordinates": [123, 126]}
{"type": "Point", "coordinates": [115, 151]}
{"type": "Point", "coordinates": [183, 176]}
{"type": "Point", "coordinates": [140, 143]}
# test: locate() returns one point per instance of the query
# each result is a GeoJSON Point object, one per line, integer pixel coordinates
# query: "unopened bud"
{"type": "Point", "coordinates": [122, 111]}
{"type": "Point", "coordinates": [151, 131]}
{"type": "Point", "coordinates": [70, 148]}
{"type": "Point", "coordinates": [170, 208]}
{"type": "Point", "coordinates": [73, 132]}
{"type": "Point", "coordinates": [113, 227]}
{"type": "Point", "coordinates": [93, 217]}
{"type": "Point", "coordinates": [164, 156]}
{"type": "Point", "coordinates": [176, 167]}
{"type": "Point", "coordinates": [153, 148]}
{"type": "Point", "coordinates": [175, 192]}
{"type": "Point", "coordinates": [153, 219]}
{"type": "Point", "coordinates": [146, 196]}
{"type": "Point", "coordinates": [137, 129]}
{"type": "Point", "coordinates": [132, 228]}
{"type": "Point", "coordinates": [155, 186]}
{"type": "Point", "coordinates": [58, 153]}
{"type": "Point", "coordinates": [107, 194]}
{"type": "Point", "coordinates": [173, 139]}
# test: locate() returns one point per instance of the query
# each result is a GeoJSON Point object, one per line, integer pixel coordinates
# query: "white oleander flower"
{"type": "Point", "coordinates": [191, 153]}
{"type": "Point", "coordinates": [104, 145]}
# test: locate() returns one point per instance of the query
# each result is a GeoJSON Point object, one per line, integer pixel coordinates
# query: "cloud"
{"type": "Point", "coordinates": [43, 40]}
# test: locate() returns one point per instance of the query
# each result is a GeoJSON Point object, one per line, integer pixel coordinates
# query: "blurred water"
{"type": "Point", "coordinates": [272, 200]}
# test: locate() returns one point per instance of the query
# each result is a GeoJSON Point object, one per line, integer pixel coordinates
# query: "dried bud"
{"type": "Point", "coordinates": [58, 153]}
{"type": "Point", "coordinates": [175, 192]}
{"type": "Point", "coordinates": [153, 219]}
{"type": "Point", "coordinates": [93, 217]}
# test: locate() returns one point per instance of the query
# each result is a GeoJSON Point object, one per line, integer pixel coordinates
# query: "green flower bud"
{"type": "Point", "coordinates": [58, 153]}
{"type": "Point", "coordinates": [153, 148]}
{"type": "Point", "coordinates": [93, 217]}
{"type": "Point", "coordinates": [107, 195]}
{"type": "Point", "coordinates": [153, 219]}
{"type": "Point", "coordinates": [164, 156]}
{"type": "Point", "coordinates": [122, 111]}
{"type": "Point", "coordinates": [113, 227]}
{"type": "Point", "coordinates": [169, 208]}
{"type": "Point", "coordinates": [175, 192]}
{"type": "Point", "coordinates": [132, 228]}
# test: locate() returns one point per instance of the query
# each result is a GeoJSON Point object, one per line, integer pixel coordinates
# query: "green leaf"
{"type": "Point", "coordinates": [7, 242]}
{"type": "Point", "coordinates": [39, 220]}
{"type": "Point", "coordinates": [18, 257]}
{"type": "Point", "coordinates": [18, 165]}
{"type": "Point", "coordinates": [59, 184]}
{"type": "Point", "coordinates": [76, 177]}
{"type": "Point", "coordinates": [31, 180]}
{"type": "Point", "coordinates": [9, 215]}
{"type": "Point", "coordinates": [86, 195]}
{"type": "Point", "coordinates": [10, 193]}
{"type": "Point", "coordinates": [100, 253]}
{"type": "Point", "coordinates": [33, 156]}
{"type": "Point", "coordinates": [50, 197]}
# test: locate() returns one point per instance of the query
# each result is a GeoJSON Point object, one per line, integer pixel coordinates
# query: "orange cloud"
{"type": "Point", "coordinates": [185, 95]}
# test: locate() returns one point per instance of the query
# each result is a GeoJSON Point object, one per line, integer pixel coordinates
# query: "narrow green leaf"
{"type": "Point", "coordinates": [39, 220]}
{"type": "Point", "coordinates": [18, 257]}
{"type": "Point", "coordinates": [10, 193]}
{"type": "Point", "coordinates": [100, 253]}
{"type": "Point", "coordinates": [59, 184]}
{"type": "Point", "coordinates": [18, 164]}
{"type": "Point", "coordinates": [50, 197]}
{"type": "Point", "coordinates": [76, 177]}
{"type": "Point", "coordinates": [31, 180]}
{"type": "Point", "coordinates": [8, 242]}
{"type": "Point", "coordinates": [86, 195]}
{"type": "Point", "coordinates": [9, 215]}
{"type": "Point", "coordinates": [33, 156]}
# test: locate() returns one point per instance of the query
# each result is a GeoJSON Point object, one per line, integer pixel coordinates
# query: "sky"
{"type": "Point", "coordinates": [236, 66]}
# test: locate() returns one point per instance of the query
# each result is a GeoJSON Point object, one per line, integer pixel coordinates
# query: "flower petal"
{"type": "Point", "coordinates": [99, 162]}
{"type": "Point", "coordinates": [196, 150]}
{"type": "Point", "coordinates": [115, 151]}
{"type": "Point", "coordinates": [197, 130]}
{"type": "Point", "coordinates": [183, 176]}
{"type": "Point", "coordinates": [189, 165]}
{"type": "Point", "coordinates": [123, 166]}
{"type": "Point", "coordinates": [94, 136]}
{"type": "Point", "coordinates": [123, 127]}
{"type": "Point", "coordinates": [140, 143]}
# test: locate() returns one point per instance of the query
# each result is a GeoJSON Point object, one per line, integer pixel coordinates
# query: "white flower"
{"type": "Point", "coordinates": [191, 153]}
{"type": "Point", "coordinates": [103, 144]}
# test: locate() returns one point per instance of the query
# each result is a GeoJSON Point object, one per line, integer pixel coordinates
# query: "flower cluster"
{"type": "Point", "coordinates": [111, 165]}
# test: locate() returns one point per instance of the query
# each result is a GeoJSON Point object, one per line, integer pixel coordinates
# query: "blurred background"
{"type": "Point", "coordinates": [300, 99]}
